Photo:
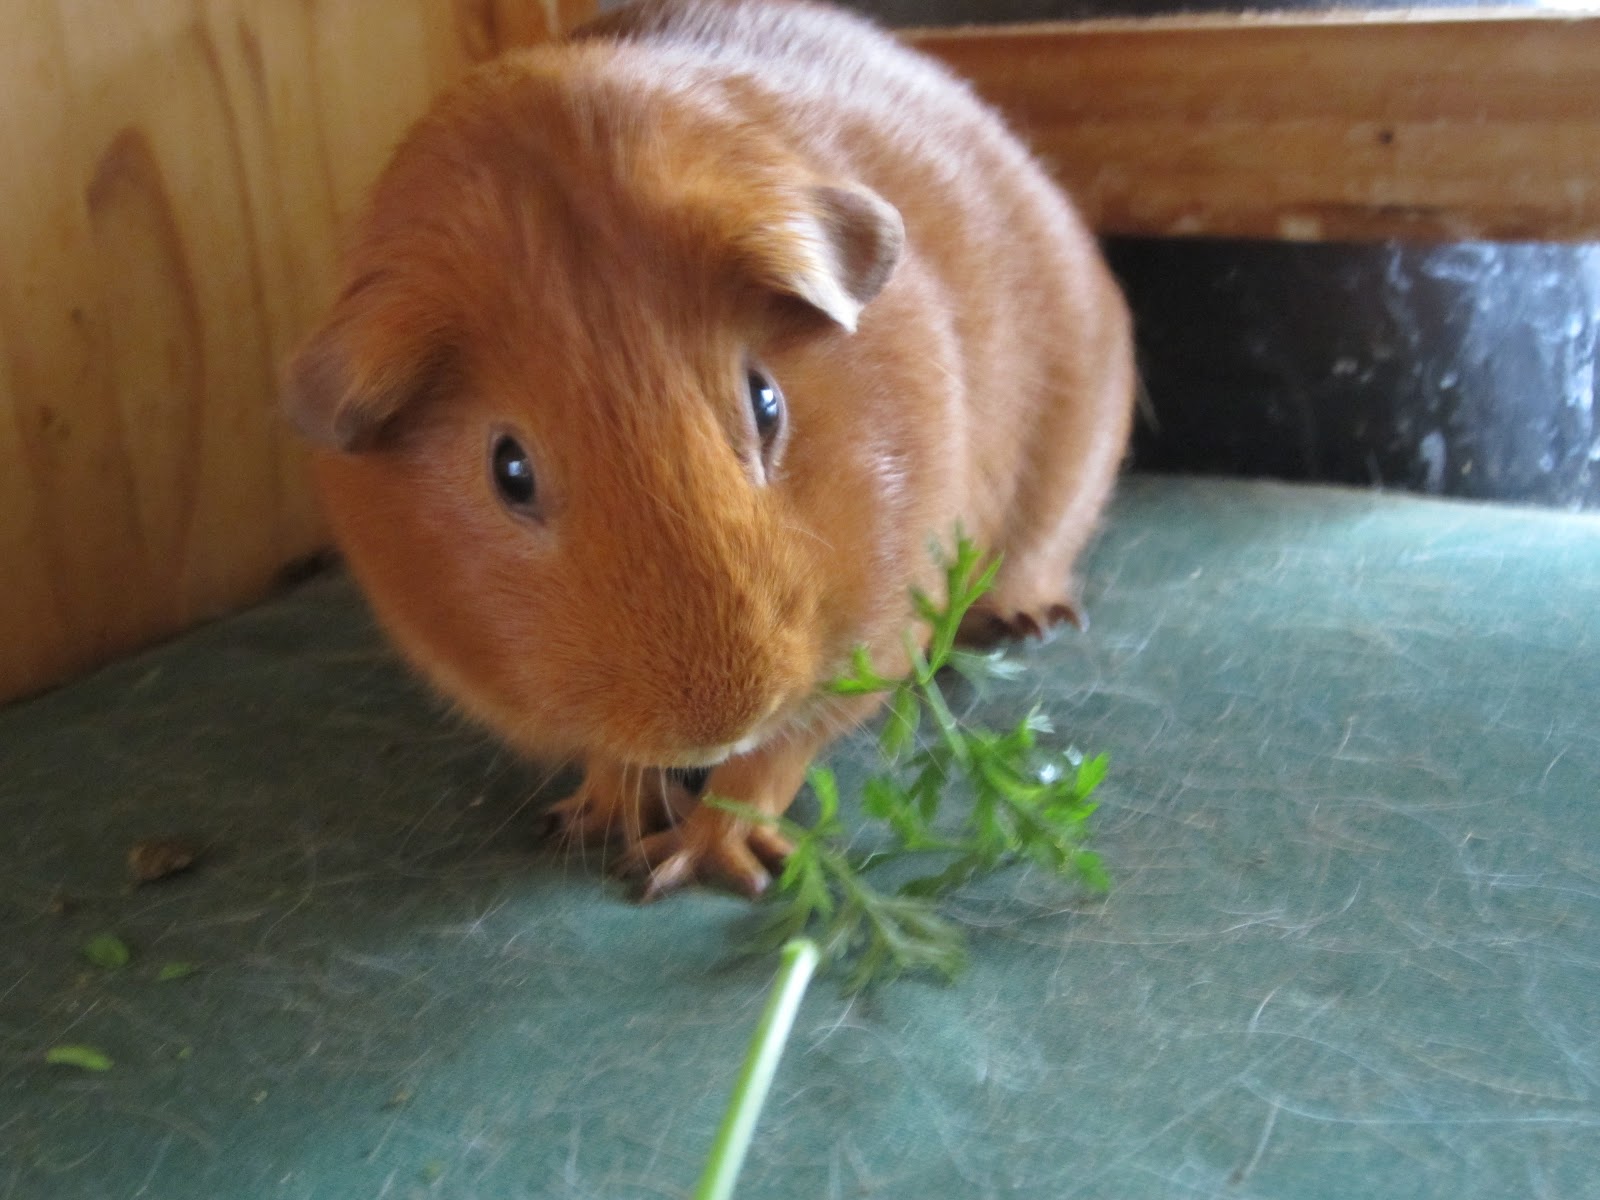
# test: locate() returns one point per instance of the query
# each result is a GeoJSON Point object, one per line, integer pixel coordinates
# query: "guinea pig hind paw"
{"type": "Point", "coordinates": [983, 627]}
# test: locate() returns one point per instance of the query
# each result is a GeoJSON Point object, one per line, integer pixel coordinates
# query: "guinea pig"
{"type": "Point", "coordinates": [661, 356]}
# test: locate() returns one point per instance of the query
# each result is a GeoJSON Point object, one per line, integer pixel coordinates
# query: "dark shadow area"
{"type": "Point", "coordinates": [1458, 370]}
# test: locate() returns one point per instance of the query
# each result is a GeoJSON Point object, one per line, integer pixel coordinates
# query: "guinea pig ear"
{"type": "Point", "coordinates": [843, 247]}
{"type": "Point", "coordinates": [341, 390]}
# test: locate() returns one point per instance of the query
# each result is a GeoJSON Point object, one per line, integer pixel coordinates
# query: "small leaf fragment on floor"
{"type": "Point", "coordinates": [85, 1058]}
{"type": "Point", "coordinates": [107, 951]}
{"type": "Point", "coordinates": [150, 859]}
{"type": "Point", "coordinates": [175, 970]}
{"type": "Point", "coordinates": [401, 1098]}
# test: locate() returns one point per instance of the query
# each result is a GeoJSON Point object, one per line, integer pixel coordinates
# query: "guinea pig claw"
{"type": "Point", "coordinates": [706, 851]}
{"type": "Point", "coordinates": [666, 877]}
{"type": "Point", "coordinates": [770, 846]}
{"type": "Point", "coordinates": [682, 869]}
{"type": "Point", "coordinates": [1024, 625]}
{"type": "Point", "coordinates": [1069, 614]}
{"type": "Point", "coordinates": [984, 627]}
{"type": "Point", "coordinates": [739, 871]}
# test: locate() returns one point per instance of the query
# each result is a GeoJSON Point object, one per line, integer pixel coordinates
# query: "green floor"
{"type": "Point", "coordinates": [1352, 949]}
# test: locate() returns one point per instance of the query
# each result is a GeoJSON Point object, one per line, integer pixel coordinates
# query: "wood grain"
{"type": "Point", "coordinates": [1331, 126]}
{"type": "Point", "coordinates": [178, 172]}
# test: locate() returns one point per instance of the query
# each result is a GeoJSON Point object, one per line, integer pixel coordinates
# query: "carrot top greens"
{"type": "Point", "coordinates": [1029, 803]}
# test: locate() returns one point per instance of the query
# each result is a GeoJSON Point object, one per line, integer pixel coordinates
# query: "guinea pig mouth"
{"type": "Point", "coordinates": [691, 779]}
{"type": "Point", "coordinates": [701, 764]}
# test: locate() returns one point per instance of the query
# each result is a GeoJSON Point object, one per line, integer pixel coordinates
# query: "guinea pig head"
{"type": "Point", "coordinates": [553, 444]}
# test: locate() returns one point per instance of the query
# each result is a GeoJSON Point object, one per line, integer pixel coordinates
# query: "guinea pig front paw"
{"type": "Point", "coordinates": [614, 803]}
{"type": "Point", "coordinates": [707, 846]}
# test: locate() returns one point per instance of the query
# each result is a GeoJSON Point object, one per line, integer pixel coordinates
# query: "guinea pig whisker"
{"type": "Point", "coordinates": [663, 781]}
{"type": "Point", "coordinates": [611, 817]}
{"type": "Point", "coordinates": [634, 830]}
{"type": "Point", "coordinates": [792, 527]}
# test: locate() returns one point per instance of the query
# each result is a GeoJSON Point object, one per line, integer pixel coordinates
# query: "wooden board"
{"type": "Point", "coordinates": [177, 173]}
{"type": "Point", "coordinates": [1329, 126]}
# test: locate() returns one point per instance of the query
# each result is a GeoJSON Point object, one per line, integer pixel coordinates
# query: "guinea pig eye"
{"type": "Point", "coordinates": [513, 472]}
{"type": "Point", "coordinates": [766, 402]}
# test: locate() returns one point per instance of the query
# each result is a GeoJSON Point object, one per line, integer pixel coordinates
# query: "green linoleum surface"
{"type": "Point", "coordinates": [1352, 948]}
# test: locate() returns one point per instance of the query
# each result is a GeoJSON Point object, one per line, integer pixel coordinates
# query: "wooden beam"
{"type": "Point", "coordinates": [1332, 126]}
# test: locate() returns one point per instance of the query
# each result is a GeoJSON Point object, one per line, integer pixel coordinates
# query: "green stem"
{"type": "Point", "coordinates": [906, 849]}
{"type": "Point", "coordinates": [799, 961]}
{"type": "Point", "coordinates": [949, 728]}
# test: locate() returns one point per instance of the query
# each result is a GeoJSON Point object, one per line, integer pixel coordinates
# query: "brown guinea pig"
{"type": "Point", "coordinates": [662, 355]}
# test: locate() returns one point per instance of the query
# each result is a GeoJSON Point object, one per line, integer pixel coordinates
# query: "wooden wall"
{"type": "Point", "coordinates": [176, 174]}
{"type": "Point", "coordinates": [1309, 126]}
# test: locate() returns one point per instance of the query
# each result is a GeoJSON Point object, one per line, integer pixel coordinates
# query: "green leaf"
{"type": "Point", "coordinates": [826, 789]}
{"type": "Point", "coordinates": [1092, 870]}
{"type": "Point", "coordinates": [814, 897]}
{"type": "Point", "coordinates": [863, 678]}
{"type": "Point", "coordinates": [801, 860]}
{"type": "Point", "coordinates": [907, 934]}
{"type": "Point", "coordinates": [1091, 772]}
{"type": "Point", "coordinates": [958, 874]}
{"type": "Point", "coordinates": [107, 950]}
{"type": "Point", "coordinates": [928, 784]}
{"type": "Point", "coordinates": [974, 589]}
{"type": "Point", "coordinates": [1069, 813]}
{"type": "Point", "coordinates": [808, 881]}
{"type": "Point", "coordinates": [175, 970]}
{"type": "Point", "coordinates": [775, 929]}
{"type": "Point", "coordinates": [1027, 802]}
{"type": "Point", "coordinates": [746, 812]}
{"type": "Point", "coordinates": [979, 669]}
{"type": "Point", "coordinates": [900, 726]}
{"type": "Point", "coordinates": [85, 1058]}
{"type": "Point", "coordinates": [846, 686]}
{"type": "Point", "coordinates": [880, 799]}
